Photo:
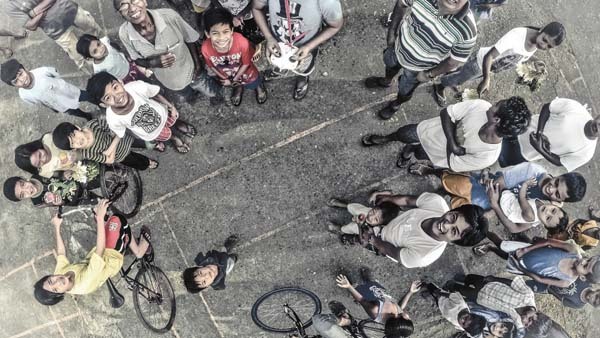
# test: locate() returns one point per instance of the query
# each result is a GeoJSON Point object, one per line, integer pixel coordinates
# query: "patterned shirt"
{"type": "Point", "coordinates": [103, 137]}
{"type": "Point", "coordinates": [427, 38]}
{"type": "Point", "coordinates": [501, 297]}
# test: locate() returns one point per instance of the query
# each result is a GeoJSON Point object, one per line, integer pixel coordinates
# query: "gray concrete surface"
{"type": "Point", "coordinates": [265, 173]}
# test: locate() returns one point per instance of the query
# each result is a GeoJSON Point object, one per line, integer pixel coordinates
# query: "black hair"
{"type": "Point", "coordinates": [97, 85]}
{"type": "Point", "coordinates": [117, 4]}
{"type": "Point", "coordinates": [563, 222]}
{"type": "Point", "coordinates": [473, 215]}
{"type": "Point", "coordinates": [83, 45]}
{"type": "Point", "coordinates": [44, 296]}
{"type": "Point", "coordinates": [398, 327]}
{"type": "Point", "coordinates": [61, 134]}
{"type": "Point", "coordinates": [514, 117]}
{"type": "Point", "coordinates": [576, 186]}
{"type": "Point", "coordinates": [556, 31]}
{"type": "Point", "coordinates": [540, 327]}
{"type": "Point", "coordinates": [389, 211]}
{"type": "Point", "coordinates": [594, 276]}
{"type": "Point", "coordinates": [9, 71]}
{"type": "Point", "coordinates": [189, 282]}
{"type": "Point", "coordinates": [23, 156]}
{"type": "Point", "coordinates": [9, 188]}
{"type": "Point", "coordinates": [478, 323]}
{"type": "Point", "coordinates": [510, 326]}
{"type": "Point", "coordinates": [215, 16]}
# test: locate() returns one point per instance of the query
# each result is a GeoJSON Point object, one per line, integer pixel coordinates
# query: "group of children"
{"type": "Point", "coordinates": [459, 146]}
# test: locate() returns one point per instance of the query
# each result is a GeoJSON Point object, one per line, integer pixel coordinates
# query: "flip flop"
{"type": "Point", "coordinates": [189, 131]}
{"type": "Point", "coordinates": [481, 249]}
{"type": "Point", "coordinates": [367, 141]}
{"type": "Point", "coordinates": [236, 96]}
{"type": "Point", "coordinates": [300, 92]}
{"type": "Point", "coordinates": [417, 169]}
{"type": "Point", "coordinates": [438, 95]}
{"type": "Point", "coordinates": [261, 98]}
{"type": "Point", "coordinates": [153, 164]}
{"type": "Point", "coordinates": [181, 148]}
{"type": "Point", "coordinates": [160, 147]}
{"type": "Point", "coordinates": [404, 161]}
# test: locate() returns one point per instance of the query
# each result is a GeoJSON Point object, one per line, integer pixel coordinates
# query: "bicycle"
{"type": "Point", "coordinates": [150, 287]}
{"type": "Point", "coordinates": [123, 186]}
{"type": "Point", "coordinates": [290, 310]}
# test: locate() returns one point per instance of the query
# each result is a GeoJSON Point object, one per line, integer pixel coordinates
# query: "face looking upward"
{"type": "Point", "coordinates": [529, 317]}
{"type": "Point", "coordinates": [550, 215]}
{"type": "Point", "coordinates": [25, 189]}
{"type": "Point", "coordinates": [133, 11]}
{"type": "Point", "coordinates": [98, 50]}
{"type": "Point", "coordinates": [205, 276]}
{"type": "Point", "coordinates": [451, 227]}
{"type": "Point", "coordinates": [78, 140]}
{"type": "Point", "coordinates": [585, 266]}
{"type": "Point", "coordinates": [115, 95]}
{"type": "Point", "coordinates": [544, 42]}
{"type": "Point", "coordinates": [24, 79]}
{"type": "Point", "coordinates": [221, 36]}
{"type": "Point", "coordinates": [555, 188]}
{"type": "Point", "coordinates": [450, 6]}
{"type": "Point", "coordinates": [58, 284]}
{"type": "Point", "coordinates": [39, 157]}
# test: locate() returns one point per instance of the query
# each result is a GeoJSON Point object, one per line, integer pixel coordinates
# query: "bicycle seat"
{"type": "Point", "coordinates": [116, 298]}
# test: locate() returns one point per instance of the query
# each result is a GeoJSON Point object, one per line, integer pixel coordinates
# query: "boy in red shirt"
{"type": "Point", "coordinates": [229, 56]}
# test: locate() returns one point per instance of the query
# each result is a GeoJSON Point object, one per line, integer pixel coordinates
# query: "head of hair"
{"type": "Point", "coordinates": [9, 70]}
{"type": "Point", "coordinates": [509, 333]}
{"type": "Point", "coordinates": [398, 327]}
{"type": "Point", "coordinates": [478, 323]}
{"type": "Point", "coordinates": [594, 276]}
{"type": "Point", "coordinates": [23, 156]}
{"type": "Point", "coordinates": [474, 216]}
{"type": "Point", "coordinates": [83, 45]}
{"type": "Point", "coordinates": [96, 86]}
{"type": "Point", "coordinates": [215, 16]}
{"type": "Point", "coordinates": [563, 222]}
{"type": "Point", "coordinates": [44, 296]}
{"type": "Point", "coordinates": [514, 117]}
{"type": "Point", "coordinates": [540, 327]}
{"type": "Point", "coordinates": [117, 4]}
{"type": "Point", "coordinates": [9, 188]}
{"type": "Point", "coordinates": [389, 211]}
{"type": "Point", "coordinates": [576, 186]}
{"type": "Point", "coordinates": [556, 31]}
{"type": "Point", "coordinates": [189, 282]}
{"type": "Point", "coordinates": [61, 134]}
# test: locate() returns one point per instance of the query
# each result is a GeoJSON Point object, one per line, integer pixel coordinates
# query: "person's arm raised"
{"type": "Point", "coordinates": [403, 201]}
{"type": "Point", "coordinates": [56, 221]}
{"type": "Point", "coordinates": [101, 210]}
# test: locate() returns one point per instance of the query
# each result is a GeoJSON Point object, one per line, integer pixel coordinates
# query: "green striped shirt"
{"type": "Point", "coordinates": [103, 137]}
{"type": "Point", "coordinates": [426, 38]}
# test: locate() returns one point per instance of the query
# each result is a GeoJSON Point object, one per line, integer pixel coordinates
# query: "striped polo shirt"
{"type": "Point", "coordinates": [103, 137]}
{"type": "Point", "coordinates": [427, 38]}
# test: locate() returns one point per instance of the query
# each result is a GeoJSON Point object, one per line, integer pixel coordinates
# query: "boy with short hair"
{"type": "Point", "coordinates": [140, 108]}
{"type": "Point", "coordinates": [211, 269]}
{"type": "Point", "coordinates": [50, 192]}
{"type": "Point", "coordinates": [44, 85]}
{"type": "Point", "coordinates": [228, 55]}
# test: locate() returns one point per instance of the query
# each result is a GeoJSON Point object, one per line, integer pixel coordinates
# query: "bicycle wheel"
{"type": "Point", "coordinates": [371, 329]}
{"type": "Point", "coordinates": [154, 299]}
{"type": "Point", "coordinates": [123, 185]}
{"type": "Point", "coordinates": [268, 311]}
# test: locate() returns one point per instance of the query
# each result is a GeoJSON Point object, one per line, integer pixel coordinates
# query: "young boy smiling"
{"type": "Point", "coordinates": [229, 56]}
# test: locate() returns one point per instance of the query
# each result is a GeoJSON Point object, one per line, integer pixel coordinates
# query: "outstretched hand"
{"type": "Point", "coordinates": [343, 282]}
{"type": "Point", "coordinates": [416, 286]}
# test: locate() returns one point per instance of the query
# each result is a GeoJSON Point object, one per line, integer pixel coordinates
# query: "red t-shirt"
{"type": "Point", "coordinates": [228, 63]}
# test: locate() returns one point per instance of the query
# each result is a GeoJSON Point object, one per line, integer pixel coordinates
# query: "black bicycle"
{"type": "Point", "coordinates": [123, 186]}
{"type": "Point", "coordinates": [290, 310]}
{"type": "Point", "coordinates": [153, 295]}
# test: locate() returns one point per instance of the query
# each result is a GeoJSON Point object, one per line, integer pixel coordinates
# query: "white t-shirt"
{"type": "Point", "coordinates": [564, 130]}
{"type": "Point", "coordinates": [418, 249]}
{"type": "Point", "coordinates": [147, 118]}
{"type": "Point", "coordinates": [51, 91]}
{"type": "Point", "coordinates": [509, 203]}
{"type": "Point", "coordinates": [511, 49]}
{"type": "Point", "coordinates": [115, 62]}
{"type": "Point", "coordinates": [451, 306]}
{"type": "Point", "coordinates": [469, 116]}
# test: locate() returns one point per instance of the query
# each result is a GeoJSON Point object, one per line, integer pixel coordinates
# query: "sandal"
{"type": "Point", "coordinates": [160, 147]}
{"type": "Point", "coordinates": [146, 234]}
{"type": "Point", "coordinates": [153, 164]}
{"type": "Point", "coordinates": [438, 95]}
{"type": "Point", "coordinates": [187, 129]}
{"type": "Point", "coordinates": [481, 249]}
{"type": "Point", "coordinates": [301, 91]}
{"type": "Point", "coordinates": [367, 141]}
{"type": "Point", "coordinates": [236, 96]}
{"type": "Point", "coordinates": [261, 94]}
{"type": "Point", "coordinates": [419, 169]}
{"type": "Point", "coordinates": [179, 145]}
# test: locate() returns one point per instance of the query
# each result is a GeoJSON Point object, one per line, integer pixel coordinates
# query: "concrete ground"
{"type": "Point", "coordinates": [265, 173]}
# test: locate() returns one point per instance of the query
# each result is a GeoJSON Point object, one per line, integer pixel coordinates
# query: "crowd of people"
{"type": "Point", "coordinates": [160, 61]}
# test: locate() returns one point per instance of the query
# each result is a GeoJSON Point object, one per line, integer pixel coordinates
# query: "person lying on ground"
{"type": "Point", "coordinates": [211, 269]}
{"type": "Point", "coordinates": [139, 107]}
{"type": "Point", "coordinates": [372, 296]}
{"type": "Point", "coordinates": [473, 133]}
{"type": "Point", "coordinates": [229, 56]}
{"type": "Point", "coordinates": [105, 260]}
{"type": "Point", "coordinates": [419, 236]}
{"type": "Point", "coordinates": [42, 157]}
{"type": "Point", "coordinates": [96, 142]}
{"type": "Point", "coordinates": [50, 192]}
{"type": "Point", "coordinates": [44, 86]}
{"type": "Point", "coordinates": [574, 296]}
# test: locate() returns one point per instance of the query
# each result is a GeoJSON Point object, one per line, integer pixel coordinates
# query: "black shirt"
{"type": "Point", "coordinates": [219, 259]}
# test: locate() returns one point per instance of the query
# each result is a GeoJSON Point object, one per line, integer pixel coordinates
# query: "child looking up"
{"type": "Point", "coordinates": [107, 58]}
{"type": "Point", "coordinates": [229, 56]}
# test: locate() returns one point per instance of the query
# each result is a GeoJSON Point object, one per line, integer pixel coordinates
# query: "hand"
{"type": "Point", "coordinates": [173, 112]}
{"type": "Point", "coordinates": [366, 237]}
{"type": "Point", "coordinates": [493, 193]}
{"type": "Point", "coordinates": [167, 60]}
{"type": "Point", "coordinates": [53, 199]}
{"type": "Point", "coordinates": [301, 54]}
{"type": "Point", "coordinates": [238, 22]}
{"type": "Point", "coordinates": [422, 77]}
{"type": "Point", "coordinates": [359, 219]}
{"type": "Point", "coordinates": [67, 174]}
{"type": "Point", "coordinates": [416, 286]}
{"type": "Point", "coordinates": [101, 209]}
{"type": "Point", "coordinates": [483, 87]}
{"type": "Point", "coordinates": [273, 48]}
{"type": "Point", "coordinates": [520, 252]}
{"type": "Point", "coordinates": [110, 155]}
{"type": "Point", "coordinates": [226, 82]}
{"type": "Point", "coordinates": [343, 282]}
{"type": "Point", "coordinates": [484, 177]}
{"type": "Point", "coordinates": [539, 141]}
{"type": "Point", "coordinates": [529, 183]}
{"type": "Point", "coordinates": [456, 149]}
{"type": "Point", "coordinates": [56, 220]}
{"type": "Point", "coordinates": [376, 195]}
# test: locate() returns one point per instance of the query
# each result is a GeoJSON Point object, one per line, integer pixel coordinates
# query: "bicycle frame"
{"type": "Point", "coordinates": [297, 322]}
{"type": "Point", "coordinates": [147, 293]}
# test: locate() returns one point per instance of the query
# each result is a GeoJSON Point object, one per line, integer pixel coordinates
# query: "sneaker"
{"type": "Point", "coordinates": [365, 274]}
{"type": "Point", "coordinates": [231, 242]}
{"type": "Point", "coordinates": [388, 111]}
{"type": "Point", "coordinates": [377, 82]}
